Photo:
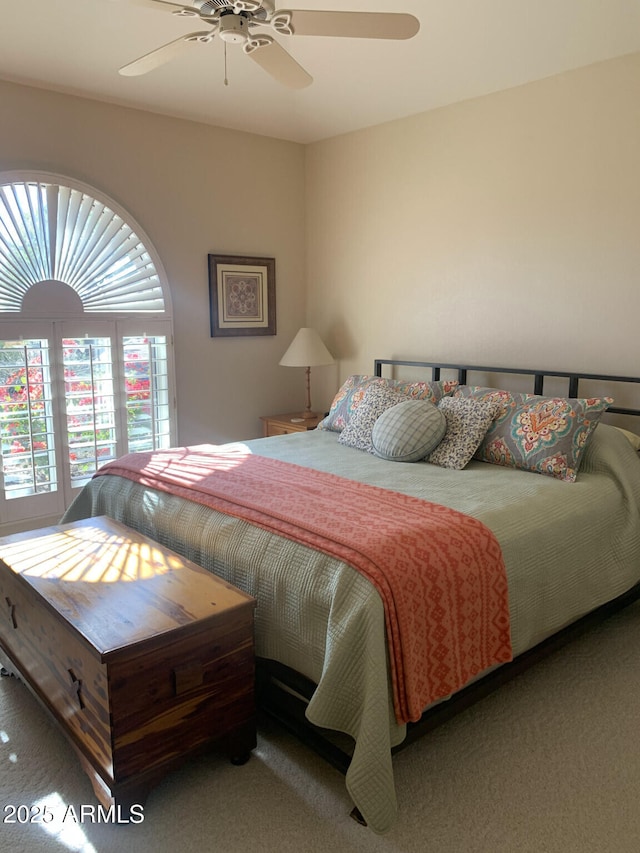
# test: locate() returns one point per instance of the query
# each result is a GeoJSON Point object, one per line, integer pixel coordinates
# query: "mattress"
{"type": "Point", "coordinates": [567, 547]}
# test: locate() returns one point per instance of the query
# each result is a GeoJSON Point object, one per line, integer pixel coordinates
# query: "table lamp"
{"type": "Point", "coordinates": [307, 350]}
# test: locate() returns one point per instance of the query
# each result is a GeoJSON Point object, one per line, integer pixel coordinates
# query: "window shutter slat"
{"type": "Point", "coordinates": [51, 232]}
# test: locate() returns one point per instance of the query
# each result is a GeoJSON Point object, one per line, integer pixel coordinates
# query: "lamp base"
{"type": "Point", "coordinates": [308, 414]}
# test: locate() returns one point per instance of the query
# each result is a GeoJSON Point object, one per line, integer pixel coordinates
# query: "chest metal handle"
{"type": "Point", "coordinates": [12, 612]}
{"type": "Point", "coordinates": [77, 683]}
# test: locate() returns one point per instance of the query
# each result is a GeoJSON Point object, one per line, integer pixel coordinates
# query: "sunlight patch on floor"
{"type": "Point", "coordinates": [4, 737]}
{"type": "Point", "coordinates": [61, 822]}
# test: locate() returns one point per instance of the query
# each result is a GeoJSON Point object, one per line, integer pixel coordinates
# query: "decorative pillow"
{"type": "Point", "coordinates": [352, 391]}
{"type": "Point", "coordinates": [431, 391]}
{"type": "Point", "coordinates": [547, 435]}
{"type": "Point", "coordinates": [375, 400]}
{"type": "Point", "coordinates": [486, 395]}
{"type": "Point", "coordinates": [631, 437]}
{"type": "Point", "coordinates": [467, 424]}
{"type": "Point", "coordinates": [408, 431]}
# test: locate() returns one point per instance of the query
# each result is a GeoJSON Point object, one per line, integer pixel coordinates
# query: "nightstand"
{"type": "Point", "coordinates": [284, 424]}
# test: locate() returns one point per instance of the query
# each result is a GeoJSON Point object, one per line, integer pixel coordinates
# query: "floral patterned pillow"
{"type": "Point", "coordinates": [547, 435]}
{"type": "Point", "coordinates": [467, 424]}
{"type": "Point", "coordinates": [375, 401]}
{"type": "Point", "coordinates": [353, 390]}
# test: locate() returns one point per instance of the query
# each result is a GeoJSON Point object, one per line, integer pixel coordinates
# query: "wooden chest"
{"type": "Point", "coordinates": [140, 655]}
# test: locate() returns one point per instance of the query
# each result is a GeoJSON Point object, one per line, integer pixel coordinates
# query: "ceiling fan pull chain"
{"type": "Point", "coordinates": [226, 80]}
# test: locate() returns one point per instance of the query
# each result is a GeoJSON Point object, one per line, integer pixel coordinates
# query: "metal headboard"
{"type": "Point", "coordinates": [539, 376]}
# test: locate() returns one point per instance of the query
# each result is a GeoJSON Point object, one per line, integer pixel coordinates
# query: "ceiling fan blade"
{"type": "Point", "coordinates": [167, 5]}
{"type": "Point", "coordinates": [164, 54]}
{"type": "Point", "coordinates": [368, 25]}
{"type": "Point", "coordinates": [276, 61]}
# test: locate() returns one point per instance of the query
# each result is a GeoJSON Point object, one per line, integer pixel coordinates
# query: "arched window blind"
{"type": "Point", "coordinates": [50, 232]}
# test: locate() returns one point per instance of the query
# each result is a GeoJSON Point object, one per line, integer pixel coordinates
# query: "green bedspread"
{"type": "Point", "coordinates": [568, 547]}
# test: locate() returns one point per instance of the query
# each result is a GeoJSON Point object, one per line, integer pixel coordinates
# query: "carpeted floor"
{"type": "Point", "coordinates": [551, 762]}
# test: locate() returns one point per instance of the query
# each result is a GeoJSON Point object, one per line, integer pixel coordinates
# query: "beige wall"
{"type": "Point", "coordinates": [195, 190]}
{"type": "Point", "coordinates": [504, 230]}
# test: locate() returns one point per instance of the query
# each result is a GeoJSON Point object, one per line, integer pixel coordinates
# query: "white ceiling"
{"type": "Point", "coordinates": [465, 48]}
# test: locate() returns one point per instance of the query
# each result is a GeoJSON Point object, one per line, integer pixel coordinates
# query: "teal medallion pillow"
{"type": "Point", "coordinates": [547, 435]}
{"type": "Point", "coordinates": [408, 431]}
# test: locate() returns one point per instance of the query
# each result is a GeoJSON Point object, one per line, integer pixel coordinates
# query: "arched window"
{"type": "Point", "coordinates": [86, 363]}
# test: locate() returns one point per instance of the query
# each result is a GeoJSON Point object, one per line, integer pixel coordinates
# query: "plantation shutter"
{"type": "Point", "coordinates": [86, 360]}
{"type": "Point", "coordinates": [26, 419]}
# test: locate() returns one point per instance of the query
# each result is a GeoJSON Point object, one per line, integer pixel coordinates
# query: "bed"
{"type": "Point", "coordinates": [569, 543]}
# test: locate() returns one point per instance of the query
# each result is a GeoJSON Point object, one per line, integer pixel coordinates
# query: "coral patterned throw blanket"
{"type": "Point", "coordinates": [440, 573]}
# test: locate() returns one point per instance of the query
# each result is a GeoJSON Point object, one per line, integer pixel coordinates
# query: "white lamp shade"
{"type": "Point", "coordinates": [306, 350]}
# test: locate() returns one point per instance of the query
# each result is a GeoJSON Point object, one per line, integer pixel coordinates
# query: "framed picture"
{"type": "Point", "coordinates": [242, 295]}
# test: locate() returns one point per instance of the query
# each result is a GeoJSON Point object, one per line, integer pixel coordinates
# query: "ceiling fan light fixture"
{"type": "Point", "coordinates": [233, 28]}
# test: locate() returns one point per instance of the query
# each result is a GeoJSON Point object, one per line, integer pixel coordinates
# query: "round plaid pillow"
{"type": "Point", "coordinates": [408, 431]}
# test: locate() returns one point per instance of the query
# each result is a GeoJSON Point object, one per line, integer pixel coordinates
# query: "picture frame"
{"type": "Point", "coordinates": [242, 296]}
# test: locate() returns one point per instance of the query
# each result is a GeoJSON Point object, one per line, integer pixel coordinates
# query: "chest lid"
{"type": "Point", "coordinates": [115, 587]}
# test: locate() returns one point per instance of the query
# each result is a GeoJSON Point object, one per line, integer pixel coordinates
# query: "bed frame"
{"type": "Point", "coordinates": [572, 378]}
{"type": "Point", "coordinates": [284, 694]}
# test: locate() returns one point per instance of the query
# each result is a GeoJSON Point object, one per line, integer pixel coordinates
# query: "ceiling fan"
{"type": "Point", "coordinates": [236, 22]}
